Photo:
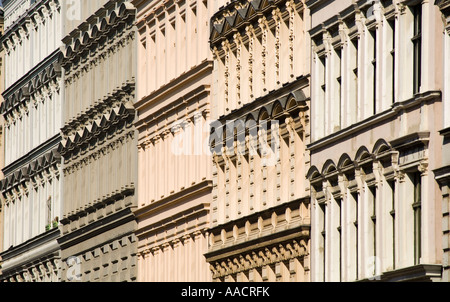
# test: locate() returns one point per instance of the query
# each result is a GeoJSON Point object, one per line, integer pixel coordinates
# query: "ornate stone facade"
{"type": "Point", "coordinates": [442, 174]}
{"type": "Point", "coordinates": [377, 108]}
{"type": "Point", "coordinates": [260, 206]}
{"type": "Point", "coordinates": [99, 145]}
{"type": "Point", "coordinates": [31, 110]}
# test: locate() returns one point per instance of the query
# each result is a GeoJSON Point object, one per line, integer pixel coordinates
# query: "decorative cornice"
{"type": "Point", "coordinates": [293, 90]}
{"type": "Point", "coordinates": [411, 140]}
{"type": "Point", "coordinates": [76, 140]}
{"type": "Point", "coordinates": [254, 229]}
{"type": "Point", "coordinates": [46, 72]}
{"type": "Point", "coordinates": [384, 116]}
{"type": "Point", "coordinates": [25, 173]}
{"type": "Point", "coordinates": [21, 27]}
{"type": "Point", "coordinates": [238, 15]}
{"type": "Point", "coordinates": [88, 36]}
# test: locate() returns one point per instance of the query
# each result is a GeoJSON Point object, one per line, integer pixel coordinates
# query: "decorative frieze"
{"type": "Point", "coordinates": [263, 241]}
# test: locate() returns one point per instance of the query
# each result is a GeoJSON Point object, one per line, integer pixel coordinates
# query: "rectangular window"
{"type": "Point", "coordinates": [392, 30]}
{"type": "Point", "coordinates": [417, 207]}
{"type": "Point", "coordinates": [339, 86]}
{"type": "Point", "coordinates": [339, 229]}
{"type": "Point", "coordinates": [417, 47]}
{"type": "Point", "coordinates": [323, 68]}
{"type": "Point", "coordinates": [355, 222]}
{"type": "Point", "coordinates": [353, 106]}
{"type": "Point", "coordinates": [373, 34]}
{"type": "Point", "coordinates": [373, 218]}
{"type": "Point", "coordinates": [392, 213]}
{"type": "Point", "coordinates": [323, 233]}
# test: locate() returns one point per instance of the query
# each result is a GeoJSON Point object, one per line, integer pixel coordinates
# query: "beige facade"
{"type": "Point", "coordinates": [376, 208]}
{"type": "Point", "coordinates": [442, 174]}
{"type": "Point", "coordinates": [174, 106]}
{"type": "Point", "coordinates": [260, 222]}
{"type": "Point", "coordinates": [99, 144]}
{"type": "Point", "coordinates": [225, 141]}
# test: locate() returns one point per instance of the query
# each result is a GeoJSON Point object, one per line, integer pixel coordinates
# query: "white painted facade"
{"type": "Point", "coordinates": [376, 113]}
{"type": "Point", "coordinates": [32, 112]}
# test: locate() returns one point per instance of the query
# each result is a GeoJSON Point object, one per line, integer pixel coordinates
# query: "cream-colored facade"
{"type": "Point", "coordinates": [99, 144]}
{"type": "Point", "coordinates": [174, 107]}
{"type": "Point", "coordinates": [260, 221]}
{"type": "Point", "coordinates": [442, 174]}
{"type": "Point", "coordinates": [376, 112]}
{"type": "Point", "coordinates": [243, 140]}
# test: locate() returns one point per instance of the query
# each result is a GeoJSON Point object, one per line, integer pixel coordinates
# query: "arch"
{"type": "Point", "coordinates": [313, 173]}
{"type": "Point", "coordinates": [362, 154]}
{"type": "Point", "coordinates": [112, 17]}
{"type": "Point", "coordinates": [69, 52]}
{"type": "Point", "coordinates": [86, 38]}
{"type": "Point", "coordinates": [94, 31]}
{"type": "Point", "coordinates": [291, 102]}
{"type": "Point", "coordinates": [104, 24]}
{"type": "Point", "coordinates": [329, 167]}
{"type": "Point", "coordinates": [277, 108]}
{"type": "Point", "coordinates": [344, 161]}
{"type": "Point", "coordinates": [263, 114]}
{"type": "Point", "coordinates": [380, 146]}
{"type": "Point", "coordinates": [77, 45]}
{"type": "Point", "coordinates": [126, 8]}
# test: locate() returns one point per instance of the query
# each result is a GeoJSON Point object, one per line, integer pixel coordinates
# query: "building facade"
{"type": "Point", "coordinates": [32, 114]}
{"type": "Point", "coordinates": [442, 174]}
{"type": "Point", "coordinates": [2, 125]}
{"type": "Point", "coordinates": [174, 106]}
{"type": "Point", "coordinates": [242, 140]}
{"type": "Point", "coordinates": [260, 222]}
{"type": "Point", "coordinates": [376, 115]}
{"type": "Point", "coordinates": [99, 143]}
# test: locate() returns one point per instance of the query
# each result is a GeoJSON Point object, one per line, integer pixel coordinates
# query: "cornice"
{"type": "Point", "coordinates": [294, 227]}
{"type": "Point", "coordinates": [40, 247]}
{"type": "Point", "coordinates": [237, 15]}
{"type": "Point", "coordinates": [21, 23]}
{"type": "Point", "coordinates": [395, 110]}
{"type": "Point", "coordinates": [30, 165]}
{"type": "Point", "coordinates": [87, 36]}
{"type": "Point", "coordinates": [184, 80]}
{"type": "Point", "coordinates": [98, 227]}
{"type": "Point", "coordinates": [41, 75]}
{"type": "Point", "coordinates": [117, 118]}
{"type": "Point", "coordinates": [120, 97]}
{"type": "Point", "coordinates": [293, 90]}
{"type": "Point", "coordinates": [174, 200]}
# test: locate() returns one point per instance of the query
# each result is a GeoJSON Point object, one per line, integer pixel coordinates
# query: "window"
{"type": "Point", "coordinates": [417, 205]}
{"type": "Point", "coordinates": [417, 47]}
{"type": "Point", "coordinates": [355, 234]}
{"type": "Point", "coordinates": [323, 233]}
{"type": "Point", "coordinates": [339, 85]}
{"type": "Point", "coordinates": [339, 229]}
{"type": "Point", "coordinates": [353, 78]}
{"type": "Point", "coordinates": [392, 58]}
{"type": "Point", "coordinates": [373, 218]}
{"type": "Point", "coordinates": [392, 213]}
{"type": "Point", "coordinates": [373, 34]}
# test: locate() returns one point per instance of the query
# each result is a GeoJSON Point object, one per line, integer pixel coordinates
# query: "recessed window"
{"type": "Point", "coordinates": [417, 48]}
